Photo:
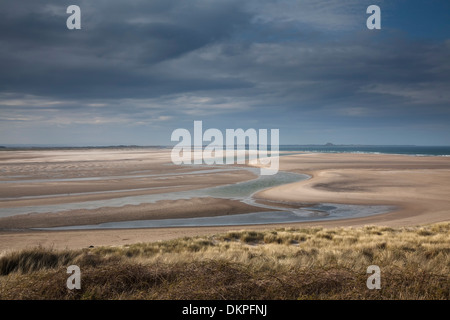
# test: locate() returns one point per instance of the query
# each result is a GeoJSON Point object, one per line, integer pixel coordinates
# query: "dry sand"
{"type": "Point", "coordinates": [417, 186]}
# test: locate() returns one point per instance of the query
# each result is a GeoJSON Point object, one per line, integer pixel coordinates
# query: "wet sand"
{"type": "Point", "coordinates": [417, 186]}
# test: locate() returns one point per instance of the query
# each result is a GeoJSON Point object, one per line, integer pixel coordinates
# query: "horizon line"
{"type": "Point", "coordinates": [37, 145]}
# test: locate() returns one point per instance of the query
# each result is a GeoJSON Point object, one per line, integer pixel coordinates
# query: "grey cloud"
{"type": "Point", "coordinates": [110, 52]}
{"type": "Point", "coordinates": [137, 62]}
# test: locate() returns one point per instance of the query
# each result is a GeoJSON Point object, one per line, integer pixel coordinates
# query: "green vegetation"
{"type": "Point", "coordinates": [307, 263]}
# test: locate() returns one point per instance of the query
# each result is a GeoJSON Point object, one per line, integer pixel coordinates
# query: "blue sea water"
{"type": "Point", "coordinates": [375, 149]}
{"type": "Point", "coordinates": [405, 150]}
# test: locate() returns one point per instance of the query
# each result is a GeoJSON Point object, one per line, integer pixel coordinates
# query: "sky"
{"type": "Point", "coordinates": [139, 69]}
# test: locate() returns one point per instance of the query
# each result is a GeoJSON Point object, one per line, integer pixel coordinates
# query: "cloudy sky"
{"type": "Point", "coordinates": [138, 69]}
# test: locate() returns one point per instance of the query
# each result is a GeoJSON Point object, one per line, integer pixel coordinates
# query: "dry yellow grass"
{"type": "Point", "coordinates": [307, 263]}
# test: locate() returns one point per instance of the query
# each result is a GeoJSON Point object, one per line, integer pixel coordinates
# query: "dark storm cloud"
{"type": "Point", "coordinates": [151, 62]}
{"type": "Point", "coordinates": [115, 52]}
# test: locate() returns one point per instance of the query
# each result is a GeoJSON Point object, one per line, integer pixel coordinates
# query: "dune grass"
{"type": "Point", "coordinates": [306, 263]}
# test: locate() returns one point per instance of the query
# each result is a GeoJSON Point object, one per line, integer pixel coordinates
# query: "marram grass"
{"type": "Point", "coordinates": [306, 263]}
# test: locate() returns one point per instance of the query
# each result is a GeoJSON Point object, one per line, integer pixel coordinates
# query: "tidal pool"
{"type": "Point", "coordinates": [314, 213]}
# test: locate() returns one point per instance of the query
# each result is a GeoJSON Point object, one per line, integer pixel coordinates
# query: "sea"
{"type": "Point", "coordinates": [412, 150]}
{"type": "Point", "coordinates": [372, 149]}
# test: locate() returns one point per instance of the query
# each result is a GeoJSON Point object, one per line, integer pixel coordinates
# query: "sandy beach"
{"type": "Point", "coordinates": [417, 187]}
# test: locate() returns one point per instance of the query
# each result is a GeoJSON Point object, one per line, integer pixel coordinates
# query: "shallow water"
{"type": "Point", "coordinates": [241, 191]}
{"type": "Point", "coordinates": [237, 191]}
{"type": "Point", "coordinates": [314, 213]}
